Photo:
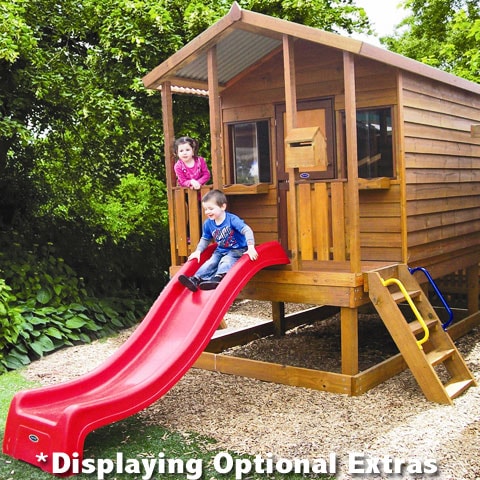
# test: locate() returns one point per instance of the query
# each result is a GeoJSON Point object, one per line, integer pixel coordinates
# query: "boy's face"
{"type": "Point", "coordinates": [213, 211]}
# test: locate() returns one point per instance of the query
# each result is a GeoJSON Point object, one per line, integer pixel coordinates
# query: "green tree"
{"type": "Point", "coordinates": [81, 142]}
{"type": "Point", "coordinates": [441, 33]}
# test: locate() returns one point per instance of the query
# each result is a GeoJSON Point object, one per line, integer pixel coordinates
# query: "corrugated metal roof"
{"type": "Point", "coordinates": [243, 38]}
{"type": "Point", "coordinates": [235, 52]}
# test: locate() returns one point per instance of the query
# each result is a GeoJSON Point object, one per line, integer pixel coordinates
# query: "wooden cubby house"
{"type": "Point", "coordinates": [360, 162]}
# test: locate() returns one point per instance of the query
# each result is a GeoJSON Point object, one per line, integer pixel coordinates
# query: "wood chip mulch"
{"type": "Point", "coordinates": [248, 416]}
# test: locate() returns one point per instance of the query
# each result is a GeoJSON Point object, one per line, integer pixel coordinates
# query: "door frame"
{"type": "Point", "coordinates": [283, 180]}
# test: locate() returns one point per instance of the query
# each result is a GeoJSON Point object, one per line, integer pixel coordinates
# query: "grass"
{"type": "Point", "coordinates": [136, 440]}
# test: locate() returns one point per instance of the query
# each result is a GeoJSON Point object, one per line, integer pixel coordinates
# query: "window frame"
{"type": "Point", "coordinates": [391, 135]}
{"type": "Point", "coordinates": [264, 159]}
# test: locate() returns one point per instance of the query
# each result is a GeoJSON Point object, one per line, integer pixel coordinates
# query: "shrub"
{"type": "Point", "coordinates": [44, 306]}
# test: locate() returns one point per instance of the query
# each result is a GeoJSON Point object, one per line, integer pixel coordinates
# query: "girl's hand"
{"type": "Point", "coordinates": [252, 252]}
{"type": "Point", "coordinates": [194, 184]}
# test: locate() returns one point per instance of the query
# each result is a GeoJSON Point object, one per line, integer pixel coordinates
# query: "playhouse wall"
{"type": "Point", "coordinates": [318, 74]}
{"type": "Point", "coordinates": [442, 174]}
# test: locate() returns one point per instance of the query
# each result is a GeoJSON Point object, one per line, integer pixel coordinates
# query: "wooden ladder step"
{"type": "Point", "coordinates": [455, 388]}
{"type": "Point", "coordinates": [416, 327]}
{"type": "Point", "coordinates": [438, 356]}
{"type": "Point", "coordinates": [400, 297]}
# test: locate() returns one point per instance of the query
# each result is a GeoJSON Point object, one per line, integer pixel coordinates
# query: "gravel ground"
{"type": "Point", "coordinates": [390, 422]}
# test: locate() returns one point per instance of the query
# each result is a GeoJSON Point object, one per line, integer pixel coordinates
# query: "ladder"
{"type": "Point", "coordinates": [427, 349]}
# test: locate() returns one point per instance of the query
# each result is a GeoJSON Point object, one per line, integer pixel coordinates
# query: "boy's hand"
{"type": "Point", "coordinates": [195, 254]}
{"type": "Point", "coordinates": [252, 252]}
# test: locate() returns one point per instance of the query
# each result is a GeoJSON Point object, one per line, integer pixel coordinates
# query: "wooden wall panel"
{"type": "Point", "coordinates": [380, 226]}
{"type": "Point", "coordinates": [442, 169]}
{"type": "Point", "coordinates": [259, 212]}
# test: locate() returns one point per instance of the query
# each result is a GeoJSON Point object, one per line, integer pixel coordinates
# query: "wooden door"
{"type": "Point", "coordinates": [312, 113]}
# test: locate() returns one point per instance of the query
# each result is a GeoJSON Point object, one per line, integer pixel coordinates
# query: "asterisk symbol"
{"type": "Point", "coordinates": [41, 457]}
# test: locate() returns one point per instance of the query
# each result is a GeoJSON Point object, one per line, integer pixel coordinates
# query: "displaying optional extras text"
{"type": "Point", "coordinates": [225, 463]}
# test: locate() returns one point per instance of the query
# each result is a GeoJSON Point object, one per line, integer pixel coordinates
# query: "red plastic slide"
{"type": "Point", "coordinates": [164, 346]}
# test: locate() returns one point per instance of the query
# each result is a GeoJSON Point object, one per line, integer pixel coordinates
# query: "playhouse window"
{"type": "Point", "coordinates": [374, 143]}
{"type": "Point", "coordinates": [250, 152]}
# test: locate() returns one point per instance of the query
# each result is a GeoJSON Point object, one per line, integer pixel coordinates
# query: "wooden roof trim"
{"type": "Point", "coordinates": [410, 65]}
{"type": "Point", "coordinates": [265, 24]}
{"type": "Point", "coordinates": [193, 48]}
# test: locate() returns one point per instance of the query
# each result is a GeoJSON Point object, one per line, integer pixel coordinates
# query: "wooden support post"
{"type": "Point", "coordinates": [215, 119]}
{"type": "Point", "coordinates": [473, 289]}
{"type": "Point", "coordinates": [349, 336]}
{"type": "Point", "coordinates": [353, 207]}
{"type": "Point", "coordinates": [169, 137]}
{"type": "Point", "coordinates": [278, 316]}
{"type": "Point", "coordinates": [290, 123]}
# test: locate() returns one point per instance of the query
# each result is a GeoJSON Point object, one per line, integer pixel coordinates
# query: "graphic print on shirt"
{"type": "Point", "coordinates": [225, 237]}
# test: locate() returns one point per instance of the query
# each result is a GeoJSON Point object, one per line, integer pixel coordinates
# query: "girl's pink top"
{"type": "Point", "coordinates": [199, 172]}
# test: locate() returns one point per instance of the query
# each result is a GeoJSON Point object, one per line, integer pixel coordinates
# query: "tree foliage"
{"type": "Point", "coordinates": [81, 142]}
{"type": "Point", "coordinates": [441, 33]}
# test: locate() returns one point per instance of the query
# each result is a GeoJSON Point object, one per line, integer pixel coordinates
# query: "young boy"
{"type": "Point", "coordinates": [233, 237]}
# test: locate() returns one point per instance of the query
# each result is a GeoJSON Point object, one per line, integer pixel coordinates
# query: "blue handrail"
{"type": "Point", "coordinates": [437, 291]}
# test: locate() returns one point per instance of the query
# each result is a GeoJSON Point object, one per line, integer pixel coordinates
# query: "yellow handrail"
{"type": "Point", "coordinates": [397, 282]}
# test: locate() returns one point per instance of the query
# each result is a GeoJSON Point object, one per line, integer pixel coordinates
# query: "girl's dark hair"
{"type": "Point", "coordinates": [216, 196]}
{"type": "Point", "coordinates": [180, 141]}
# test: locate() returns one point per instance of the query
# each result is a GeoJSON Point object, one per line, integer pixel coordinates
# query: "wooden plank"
{"type": "Point", "coordinates": [349, 340]}
{"type": "Point", "coordinates": [440, 147]}
{"type": "Point", "coordinates": [321, 295]}
{"type": "Point", "coordinates": [194, 220]}
{"type": "Point", "coordinates": [290, 123]}
{"type": "Point", "coordinates": [438, 205]}
{"type": "Point", "coordinates": [473, 288]}
{"type": "Point", "coordinates": [180, 209]}
{"type": "Point", "coordinates": [379, 373]}
{"type": "Point", "coordinates": [215, 119]}
{"type": "Point", "coordinates": [322, 276]}
{"type": "Point", "coordinates": [352, 196]}
{"type": "Point", "coordinates": [432, 132]}
{"type": "Point", "coordinates": [321, 224]}
{"type": "Point", "coordinates": [440, 100]}
{"type": "Point", "coordinates": [414, 116]}
{"type": "Point", "coordinates": [227, 337]}
{"type": "Point", "coordinates": [273, 372]}
{"type": "Point", "coordinates": [428, 221]}
{"type": "Point", "coordinates": [338, 222]}
{"type": "Point", "coordinates": [305, 216]}
{"type": "Point", "coordinates": [426, 160]}
{"type": "Point", "coordinates": [427, 87]}
{"type": "Point", "coordinates": [169, 136]}
{"type": "Point", "coordinates": [446, 191]}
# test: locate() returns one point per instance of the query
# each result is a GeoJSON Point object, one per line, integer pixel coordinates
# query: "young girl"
{"type": "Point", "coordinates": [191, 170]}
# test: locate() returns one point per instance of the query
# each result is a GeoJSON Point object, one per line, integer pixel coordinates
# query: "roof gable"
{"type": "Point", "coordinates": [244, 38]}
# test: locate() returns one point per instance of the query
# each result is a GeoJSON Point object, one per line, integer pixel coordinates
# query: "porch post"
{"type": "Point", "coordinates": [169, 138]}
{"type": "Point", "coordinates": [290, 123]}
{"type": "Point", "coordinates": [215, 120]}
{"type": "Point", "coordinates": [349, 316]}
{"type": "Point", "coordinates": [353, 207]}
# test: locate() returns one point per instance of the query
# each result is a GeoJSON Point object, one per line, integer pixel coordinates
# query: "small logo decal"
{"type": "Point", "coordinates": [305, 175]}
{"type": "Point", "coordinates": [33, 438]}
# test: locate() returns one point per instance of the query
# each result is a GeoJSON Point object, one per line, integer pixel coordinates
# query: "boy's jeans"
{"type": "Point", "coordinates": [219, 263]}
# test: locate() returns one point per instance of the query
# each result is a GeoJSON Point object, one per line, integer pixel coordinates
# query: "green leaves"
{"type": "Point", "coordinates": [443, 34]}
{"type": "Point", "coordinates": [50, 308]}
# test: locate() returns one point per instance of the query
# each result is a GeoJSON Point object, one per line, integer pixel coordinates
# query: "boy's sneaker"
{"type": "Point", "coordinates": [211, 284]}
{"type": "Point", "coordinates": [190, 282]}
